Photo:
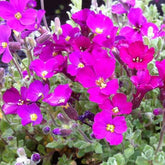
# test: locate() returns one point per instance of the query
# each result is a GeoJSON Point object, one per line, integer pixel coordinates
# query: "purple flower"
{"type": "Point", "coordinates": [145, 82]}
{"type": "Point", "coordinates": [36, 158]}
{"type": "Point", "coordinates": [13, 100]}
{"type": "Point", "coordinates": [158, 111]}
{"type": "Point", "coordinates": [5, 33]}
{"type": "Point", "coordinates": [140, 26]}
{"type": "Point", "coordinates": [137, 55]}
{"type": "Point", "coordinates": [56, 131]}
{"type": "Point", "coordinates": [118, 9]}
{"type": "Point", "coordinates": [37, 90]}
{"type": "Point", "coordinates": [16, 14]}
{"type": "Point", "coordinates": [30, 114]}
{"type": "Point", "coordinates": [77, 62]}
{"type": "Point", "coordinates": [98, 79]}
{"type": "Point", "coordinates": [109, 128]}
{"type": "Point", "coordinates": [99, 23]}
{"type": "Point", "coordinates": [60, 96]}
{"type": "Point", "coordinates": [47, 69]}
{"type": "Point", "coordinates": [118, 105]}
{"type": "Point", "coordinates": [81, 16]}
{"type": "Point", "coordinates": [35, 25]}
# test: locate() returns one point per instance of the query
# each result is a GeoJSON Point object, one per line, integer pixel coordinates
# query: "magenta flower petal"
{"type": "Point", "coordinates": [110, 129]}
{"type": "Point", "coordinates": [111, 88]}
{"type": "Point", "coordinates": [60, 96]}
{"type": "Point", "coordinates": [7, 10]}
{"type": "Point", "coordinates": [37, 91]}
{"type": "Point", "coordinates": [86, 76]}
{"type": "Point", "coordinates": [99, 130]}
{"type": "Point", "coordinates": [132, 16]}
{"type": "Point", "coordinates": [114, 138]}
{"type": "Point", "coordinates": [30, 114]}
{"type": "Point", "coordinates": [7, 57]}
{"type": "Point", "coordinates": [11, 95]}
{"type": "Point", "coordinates": [10, 108]}
{"type": "Point", "coordinates": [15, 24]}
{"type": "Point", "coordinates": [19, 4]}
{"type": "Point", "coordinates": [96, 96]}
{"type": "Point", "coordinates": [120, 124]}
{"type": "Point", "coordinates": [28, 17]}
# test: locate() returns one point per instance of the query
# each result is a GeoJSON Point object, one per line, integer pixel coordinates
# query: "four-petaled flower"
{"type": "Point", "coordinates": [109, 128]}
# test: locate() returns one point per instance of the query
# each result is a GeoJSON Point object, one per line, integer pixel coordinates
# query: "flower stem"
{"type": "Point", "coordinates": [44, 18]}
{"type": "Point", "coordinates": [161, 133]}
{"type": "Point", "coordinates": [83, 134]}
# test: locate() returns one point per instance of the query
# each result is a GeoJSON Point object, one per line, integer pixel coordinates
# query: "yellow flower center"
{"type": "Point", "coordinates": [4, 44]}
{"type": "Point", "coordinates": [44, 73]}
{"type": "Point", "coordinates": [80, 65]}
{"type": "Point", "coordinates": [67, 38]}
{"type": "Point", "coordinates": [54, 54]}
{"type": "Point", "coordinates": [110, 128]}
{"type": "Point", "coordinates": [33, 117]}
{"type": "Point", "coordinates": [99, 31]}
{"type": "Point", "coordinates": [137, 59]}
{"type": "Point", "coordinates": [115, 110]}
{"type": "Point", "coordinates": [101, 83]}
{"type": "Point", "coordinates": [18, 15]}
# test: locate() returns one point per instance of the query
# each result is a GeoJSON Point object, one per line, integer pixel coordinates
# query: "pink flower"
{"type": "Point", "coordinates": [16, 14]}
{"type": "Point", "coordinates": [99, 79]}
{"type": "Point", "coordinates": [47, 69]}
{"type": "Point", "coordinates": [137, 55]}
{"type": "Point", "coordinates": [109, 128]}
{"type": "Point", "coordinates": [60, 96]}
{"type": "Point", "coordinates": [30, 114]}
{"type": "Point", "coordinates": [118, 105]}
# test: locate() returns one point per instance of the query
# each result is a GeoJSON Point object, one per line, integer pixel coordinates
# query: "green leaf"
{"type": "Point", "coordinates": [148, 152]}
{"type": "Point", "coordinates": [141, 161]}
{"type": "Point", "coordinates": [98, 148]}
{"type": "Point", "coordinates": [55, 144]}
{"type": "Point", "coordinates": [81, 144]}
{"type": "Point", "coordinates": [4, 125]}
{"type": "Point", "coordinates": [112, 161]}
{"type": "Point", "coordinates": [120, 159]}
{"type": "Point", "coordinates": [41, 149]}
{"type": "Point", "coordinates": [128, 152]}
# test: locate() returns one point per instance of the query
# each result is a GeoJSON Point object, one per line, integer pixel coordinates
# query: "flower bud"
{"type": "Point", "coordinates": [65, 132]}
{"type": "Point", "coordinates": [157, 111]}
{"type": "Point", "coordinates": [62, 118]}
{"type": "Point", "coordinates": [36, 158]}
{"type": "Point", "coordinates": [46, 130]}
{"type": "Point", "coordinates": [71, 112]}
{"type": "Point", "coordinates": [14, 46]}
{"type": "Point", "coordinates": [45, 36]}
{"type": "Point", "coordinates": [10, 138]}
{"type": "Point", "coordinates": [58, 29]}
{"type": "Point", "coordinates": [57, 131]}
{"type": "Point", "coordinates": [21, 152]}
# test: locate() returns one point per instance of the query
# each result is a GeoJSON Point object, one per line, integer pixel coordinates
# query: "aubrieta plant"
{"type": "Point", "coordinates": [90, 91]}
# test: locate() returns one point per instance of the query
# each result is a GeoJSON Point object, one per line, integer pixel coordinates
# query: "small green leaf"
{"type": "Point", "coordinates": [128, 152]}
{"type": "Point", "coordinates": [98, 148]}
{"type": "Point", "coordinates": [120, 159]}
{"type": "Point", "coordinates": [141, 161]}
